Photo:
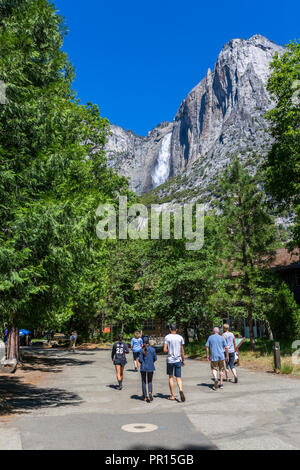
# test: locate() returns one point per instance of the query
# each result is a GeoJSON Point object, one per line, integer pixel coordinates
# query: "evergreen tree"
{"type": "Point", "coordinates": [53, 171]}
{"type": "Point", "coordinates": [283, 161]}
{"type": "Point", "coordinates": [247, 232]}
{"type": "Point", "coordinates": [284, 316]}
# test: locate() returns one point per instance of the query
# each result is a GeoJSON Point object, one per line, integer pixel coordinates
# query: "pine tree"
{"type": "Point", "coordinates": [283, 160]}
{"type": "Point", "coordinates": [247, 232]}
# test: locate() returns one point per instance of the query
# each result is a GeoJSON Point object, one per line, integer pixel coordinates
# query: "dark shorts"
{"type": "Point", "coordinates": [230, 363]}
{"type": "Point", "coordinates": [136, 355]}
{"type": "Point", "coordinates": [120, 363]}
{"type": "Point", "coordinates": [174, 369]}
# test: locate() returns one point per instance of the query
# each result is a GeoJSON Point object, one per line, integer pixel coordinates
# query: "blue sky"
{"type": "Point", "coordinates": [138, 59]}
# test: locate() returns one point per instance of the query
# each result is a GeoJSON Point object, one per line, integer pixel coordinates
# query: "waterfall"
{"type": "Point", "coordinates": [161, 170]}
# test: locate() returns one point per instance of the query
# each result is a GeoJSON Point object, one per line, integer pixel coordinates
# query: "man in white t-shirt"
{"type": "Point", "coordinates": [173, 345]}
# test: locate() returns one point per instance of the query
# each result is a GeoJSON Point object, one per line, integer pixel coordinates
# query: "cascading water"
{"type": "Point", "coordinates": [161, 170]}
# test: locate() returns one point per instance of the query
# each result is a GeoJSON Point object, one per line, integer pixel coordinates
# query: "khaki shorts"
{"type": "Point", "coordinates": [217, 365]}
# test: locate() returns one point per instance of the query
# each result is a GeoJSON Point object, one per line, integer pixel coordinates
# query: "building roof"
{"type": "Point", "coordinates": [285, 259]}
{"type": "Point", "coordinates": [277, 260]}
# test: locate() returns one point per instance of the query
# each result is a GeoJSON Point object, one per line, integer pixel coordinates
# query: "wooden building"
{"type": "Point", "coordinates": [287, 265]}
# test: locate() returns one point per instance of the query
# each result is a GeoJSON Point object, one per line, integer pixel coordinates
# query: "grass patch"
{"type": "Point", "coordinates": [195, 349]}
{"type": "Point", "coordinates": [286, 368]}
{"type": "Point", "coordinates": [260, 360]}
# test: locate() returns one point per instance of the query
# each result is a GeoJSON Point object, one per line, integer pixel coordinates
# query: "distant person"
{"type": "Point", "coordinates": [118, 356]}
{"type": "Point", "coordinates": [173, 345]}
{"type": "Point", "coordinates": [73, 339]}
{"type": "Point", "coordinates": [230, 341]}
{"type": "Point", "coordinates": [136, 346]}
{"type": "Point", "coordinates": [216, 349]}
{"type": "Point", "coordinates": [147, 357]}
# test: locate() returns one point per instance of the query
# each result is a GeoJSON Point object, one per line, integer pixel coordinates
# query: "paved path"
{"type": "Point", "coordinates": [79, 408]}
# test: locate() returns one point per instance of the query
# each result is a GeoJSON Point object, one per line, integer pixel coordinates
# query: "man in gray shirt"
{"type": "Point", "coordinates": [173, 345]}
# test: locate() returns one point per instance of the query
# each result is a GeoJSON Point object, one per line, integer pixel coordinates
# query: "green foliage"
{"type": "Point", "coordinates": [247, 232]}
{"type": "Point", "coordinates": [283, 161]}
{"type": "Point", "coordinates": [286, 368]}
{"type": "Point", "coordinates": [53, 173]}
{"type": "Point", "coordinates": [54, 272]}
{"type": "Point", "coordinates": [284, 315]}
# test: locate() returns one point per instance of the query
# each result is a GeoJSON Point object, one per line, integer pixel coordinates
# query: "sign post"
{"type": "Point", "coordinates": [277, 362]}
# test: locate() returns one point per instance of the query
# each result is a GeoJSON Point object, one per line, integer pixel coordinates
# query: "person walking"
{"type": "Point", "coordinates": [73, 339]}
{"type": "Point", "coordinates": [147, 357]}
{"type": "Point", "coordinates": [118, 356]}
{"type": "Point", "coordinates": [230, 341]}
{"type": "Point", "coordinates": [173, 345]}
{"type": "Point", "coordinates": [136, 346]}
{"type": "Point", "coordinates": [216, 349]}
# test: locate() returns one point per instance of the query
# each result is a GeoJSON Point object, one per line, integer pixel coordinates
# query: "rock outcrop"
{"type": "Point", "coordinates": [134, 156]}
{"type": "Point", "coordinates": [222, 116]}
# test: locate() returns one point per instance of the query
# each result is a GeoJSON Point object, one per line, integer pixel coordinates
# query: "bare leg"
{"type": "Point", "coordinates": [221, 377]}
{"type": "Point", "coordinates": [118, 372]}
{"type": "Point", "coordinates": [234, 372]}
{"type": "Point", "coordinates": [215, 375]}
{"type": "Point", "coordinates": [227, 375]}
{"type": "Point", "coordinates": [171, 385]}
{"type": "Point", "coordinates": [179, 383]}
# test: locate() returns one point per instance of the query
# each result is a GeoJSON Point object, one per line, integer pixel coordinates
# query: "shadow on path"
{"type": "Point", "coordinates": [19, 397]}
{"type": "Point", "coordinates": [137, 397]}
{"type": "Point", "coordinates": [211, 386]}
{"type": "Point", "coordinates": [165, 397]}
{"type": "Point", "coordinates": [185, 447]}
{"type": "Point", "coordinates": [50, 363]}
{"type": "Point", "coordinates": [115, 387]}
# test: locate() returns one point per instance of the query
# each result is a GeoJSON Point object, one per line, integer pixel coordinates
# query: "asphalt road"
{"type": "Point", "coordinates": [79, 408]}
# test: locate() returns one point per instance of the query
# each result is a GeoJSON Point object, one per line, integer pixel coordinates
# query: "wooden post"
{"type": "Point", "coordinates": [277, 364]}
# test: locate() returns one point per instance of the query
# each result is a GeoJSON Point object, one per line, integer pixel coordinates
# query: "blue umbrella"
{"type": "Point", "coordinates": [24, 332]}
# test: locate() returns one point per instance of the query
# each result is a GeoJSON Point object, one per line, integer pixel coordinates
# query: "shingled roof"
{"type": "Point", "coordinates": [284, 259]}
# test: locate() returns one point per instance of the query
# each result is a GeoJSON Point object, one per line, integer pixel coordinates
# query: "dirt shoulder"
{"type": "Point", "coordinates": [256, 362]}
{"type": "Point", "coordinates": [25, 382]}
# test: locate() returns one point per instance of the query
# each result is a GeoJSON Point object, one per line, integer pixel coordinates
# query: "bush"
{"type": "Point", "coordinates": [284, 316]}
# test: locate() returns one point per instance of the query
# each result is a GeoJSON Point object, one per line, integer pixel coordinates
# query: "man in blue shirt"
{"type": "Point", "coordinates": [216, 348]}
{"type": "Point", "coordinates": [136, 346]}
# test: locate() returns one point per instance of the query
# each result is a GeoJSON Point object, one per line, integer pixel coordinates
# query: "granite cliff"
{"type": "Point", "coordinates": [223, 115]}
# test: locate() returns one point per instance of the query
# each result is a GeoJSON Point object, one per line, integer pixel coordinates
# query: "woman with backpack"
{"type": "Point", "coordinates": [147, 358]}
{"type": "Point", "coordinates": [118, 356]}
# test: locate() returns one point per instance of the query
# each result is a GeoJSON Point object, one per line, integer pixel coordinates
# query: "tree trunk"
{"type": "Point", "coordinates": [13, 348]}
{"type": "Point", "coordinates": [246, 277]}
{"type": "Point", "coordinates": [87, 331]}
{"type": "Point", "coordinates": [251, 332]}
{"type": "Point", "coordinates": [186, 335]}
{"type": "Point", "coordinates": [269, 330]}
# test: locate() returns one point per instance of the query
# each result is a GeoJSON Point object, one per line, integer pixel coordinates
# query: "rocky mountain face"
{"type": "Point", "coordinates": [135, 156]}
{"type": "Point", "coordinates": [222, 116]}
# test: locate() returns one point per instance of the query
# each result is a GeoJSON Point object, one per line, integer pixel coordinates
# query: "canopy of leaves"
{"type": "Point", "coordinates": [283, 161]}
{"type": "Point", "coordinates": [53, 171]}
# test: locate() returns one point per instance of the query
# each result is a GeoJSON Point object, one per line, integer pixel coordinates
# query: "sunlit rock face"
{"type": "Point", "coordinates": [136, 157]}
{"type": "Point", "coordinates": [161, 170]}
{"type": "Point", "coordinates": [222, 116]}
